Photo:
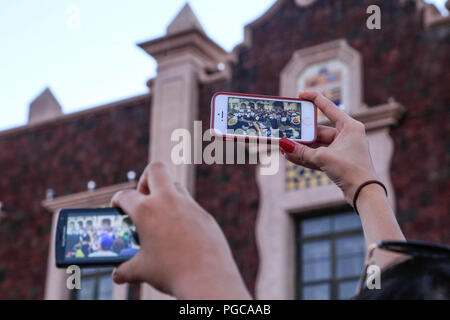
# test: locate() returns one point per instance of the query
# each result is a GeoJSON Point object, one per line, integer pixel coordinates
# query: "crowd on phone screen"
{"type": "Point", "coordinates": [255, 120]}
{"type": "Point", "coordinates": [84, 240]}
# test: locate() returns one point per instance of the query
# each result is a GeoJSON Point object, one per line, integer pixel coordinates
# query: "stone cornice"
{"type": "Point", "coordinates": [377, 117]}
{"type": "Point", "coordinates": [380, 116]}
{"type": "Point", "coordinates": [374, 118]}
{"type": "Point", "coordinates": [431, 15]}
{"type": "Point", "coordinates": [224, 75]}
{"type": "Point", "coordinates": [186, 39]}
{"type": "Point", "coordinates": [94, 198]}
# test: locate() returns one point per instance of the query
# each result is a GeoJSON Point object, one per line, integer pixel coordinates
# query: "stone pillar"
{"type": "Point", "coordinates": [182, 55]}
{"type": "Point", "coordinates": [174, 106]}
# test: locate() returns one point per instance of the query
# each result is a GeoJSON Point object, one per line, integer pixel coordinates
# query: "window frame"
{"type": "Point", "coordinates": [333, 281]}
{"type": "Point", "coordinates": [74, 294]}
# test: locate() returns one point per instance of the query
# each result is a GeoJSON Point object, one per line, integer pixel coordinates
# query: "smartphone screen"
{"type": "Point", "coordinates": [94, 237]}
{"type": "Point", "coordinates": [263, 117]}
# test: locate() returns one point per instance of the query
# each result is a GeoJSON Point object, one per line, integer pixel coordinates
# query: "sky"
{"type": "Point", "coordinates": [85, 51]}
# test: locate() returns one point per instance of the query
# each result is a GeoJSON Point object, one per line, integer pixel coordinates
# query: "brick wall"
{"type": "Point", "coordinates": [402, 60]}
{"type": "Point", "coordinates": [64, 155]}
{"type": "Point", "coordinates": [230, 194]}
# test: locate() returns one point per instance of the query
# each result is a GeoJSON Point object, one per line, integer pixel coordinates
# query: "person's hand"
{"type": "Point", "coordinates": [341, 152]}
{"type": "Point", "coordinates": [183, 250]}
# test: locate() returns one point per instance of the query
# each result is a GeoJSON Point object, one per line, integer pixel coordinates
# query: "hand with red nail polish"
{"type": "Point", "coordinates": [341, 152]}
{"type": "Point", "coordinates": [287, 145]}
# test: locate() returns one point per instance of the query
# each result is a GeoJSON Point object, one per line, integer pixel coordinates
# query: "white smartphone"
{"type": "Point", "coordinates": [236, 115]}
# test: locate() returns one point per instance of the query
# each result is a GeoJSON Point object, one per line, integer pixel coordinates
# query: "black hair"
{"type": "Point", "coordinates": [278, 104]}
{"type": "Point", "coordinates": [107, 221]}
{"type": "Point", "coordinates": [118, 245]}
{"type": "Point", "coordinates": [413, 279]}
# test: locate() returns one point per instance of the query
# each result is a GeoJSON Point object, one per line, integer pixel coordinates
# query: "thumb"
{"type": "Point", "coordinates": [299, 153]}
{"type": "Point", "coordinates": [128, 272]}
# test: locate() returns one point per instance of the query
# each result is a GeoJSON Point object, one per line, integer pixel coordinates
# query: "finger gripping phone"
{"type": "Point", "coordinates": [237, 115]}
{"type": "Point", "coordinates": [94, 237]}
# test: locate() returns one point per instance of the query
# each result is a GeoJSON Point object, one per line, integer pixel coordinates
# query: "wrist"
{"type": "Point", "coordinates": [371, 193]}
{"type": "Point", "coordinates": [354, 184]}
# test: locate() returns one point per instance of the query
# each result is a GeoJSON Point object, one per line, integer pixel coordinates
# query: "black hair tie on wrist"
{"type": "Point", "coordinates": [355, 197]}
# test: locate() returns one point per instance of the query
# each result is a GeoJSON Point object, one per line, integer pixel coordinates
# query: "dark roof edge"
{"type": "Point", "coordinates": [100, 108]}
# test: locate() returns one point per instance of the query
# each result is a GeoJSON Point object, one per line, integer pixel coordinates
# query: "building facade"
{"type": "Point", "coordinates": [291, 233]}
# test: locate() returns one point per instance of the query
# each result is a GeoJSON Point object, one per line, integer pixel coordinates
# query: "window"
{"type": "Point", "coordinates": [134, 291]}
{"type": "Point", "coordinates": [330, 256]}
{"type": "Point", "coordinates": [96, 284]}
{"type": "Point", "coordinates": [330, 78]}
{"type": "Point", "coordinates": [333, 68]}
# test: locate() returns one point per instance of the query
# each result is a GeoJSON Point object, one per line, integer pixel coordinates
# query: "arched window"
{"type": "Point", "coordinates": [329, 77]}
{"type": "Point", "coordinates": [333, 68]}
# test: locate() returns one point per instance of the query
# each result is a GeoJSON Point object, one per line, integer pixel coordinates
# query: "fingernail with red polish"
{"type": "Point", "coordinates": [282, 152]}
{"type": "Point", "coordinates": [287, 145]}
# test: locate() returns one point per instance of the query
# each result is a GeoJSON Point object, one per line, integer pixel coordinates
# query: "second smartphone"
{"type": "Point", "coordinates": [94, 237]}
{"type": "Point", "coordinates": [236, 115]}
